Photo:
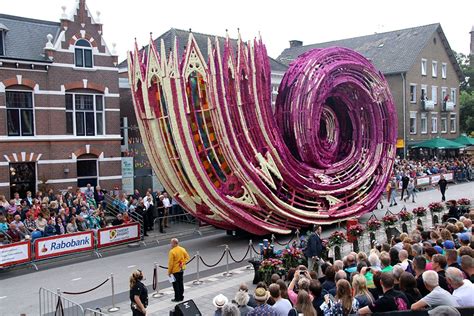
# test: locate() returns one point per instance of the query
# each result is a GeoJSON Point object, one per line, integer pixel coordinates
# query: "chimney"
{"type": "Point", "coordinates": [296, 43]}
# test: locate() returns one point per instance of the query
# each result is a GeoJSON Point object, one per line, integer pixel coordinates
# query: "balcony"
{"type": "Point", "coordinates": [427, 105]}
{"type": "Point", "coordinates": [448, 106]}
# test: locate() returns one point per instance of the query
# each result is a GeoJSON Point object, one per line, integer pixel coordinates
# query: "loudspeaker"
{"type": "Point", "coordinates": [187, 308]}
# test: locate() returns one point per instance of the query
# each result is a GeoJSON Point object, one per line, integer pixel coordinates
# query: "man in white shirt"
{"type": "Point", "coordinates": [463, 289]}
{"type": "Point", "coordinates": [437, 296]}
{"type": "Point", "coordinates": [282, 306]}
{"type": "Point", "coordinates": [167, 205]}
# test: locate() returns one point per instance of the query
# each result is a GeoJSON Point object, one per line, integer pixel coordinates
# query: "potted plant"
{"type": "Point", "coordinates": [419, 211]}
{"type": "Point", "coordinates": [292, 257]}
{"type": "Point", "coordinates": [389, 220]}
{"type": "Point", "coordinates": [355, 231]}
{"type": "Point", "coordinates": [268, 267]}
{"type": "Point", "coordinates": [436, 207]}
{"type": "Point", "coordinates": [336, 240]}
{"type": "Point", "coordinates": [405, 216]}
{"type": "Point", "coordinates": [372, 225]}
{"type": "Point", "coordinates": [464, 204]}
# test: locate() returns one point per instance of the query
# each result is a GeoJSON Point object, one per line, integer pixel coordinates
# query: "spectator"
{"type": "Point", "coordinates": [118, 220]}
{"type": "Point", "coordinates": [408, 285]}
{"type": "Point", "coordinates": [59, 227]}
{"type": "Point", "coordinates": [303, 305]}
{"type": "Point", "coordinates": [419, 265]}
{"type": "Point", "coordinates": [439, 264]}
{"type": "Point", "coordinates": [3, 223]}
{"type": "Point", "coordinates": [219, 301]}
{"type": "Point", "coordinates": [452, 258]}
{"type": "Point", "coordinates": [50, 229]}
{"type": "Point", "coordinates": [302, 279]}
{"type": "Point", "coordinates": [262, 308]}
{"type": "Point", "coordinates": [397, 273]}
{"type": "Point", "coordinates": [282, 306]}
{"type": "Point", "coordinates": [242, 299]}
{"type": "Point", "coordinates": [252, 303]}
{"type": "Point", "coordinates": [463, 289]}
{"type": "Point", "coordinates": [351, 264]}
{"type": "Point", "coordinates": [316, 291]}
{"type": "Point", "coordinates": [329, 285]}
{"type": "Point", "coordinates": [230, 309]}
{"type": "Point", "coordinates": [344, 303]}
{"type": "Point", "coordinates": [361, 293]}
{"type": "Point", "coordinates": [467, 265]}
{"type": "Point", "coordinates": [391, 300]}
{"type": "Point", "coordinates": [13, 233]}
{"type": "Point", "coordinates": [72, 226]}
{"type": "Point", "coordinates": [437, 296]}
{"type": "Point", "coordinates": [30, 222]}
{"type": "Point", "coordinates": [385, 262]}
{"type": "Point", "coordinates": [41, 222]}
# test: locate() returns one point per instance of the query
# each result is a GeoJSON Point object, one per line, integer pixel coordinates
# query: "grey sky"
{"type": "Point", "coordinates": [278, 21]}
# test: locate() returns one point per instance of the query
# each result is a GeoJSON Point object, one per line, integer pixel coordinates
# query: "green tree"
{"type": "Point", "coordinates": [466, 110]}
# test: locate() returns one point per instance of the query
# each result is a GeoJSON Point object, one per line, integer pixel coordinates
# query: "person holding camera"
{"type": "Point", "coordinates": [138, 294]}
{"type": "Point", "coordinates": [302, 279]}
{"type": "Point", "coordinates": [343, 304]}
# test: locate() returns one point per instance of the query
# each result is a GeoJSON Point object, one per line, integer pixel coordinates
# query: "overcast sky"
{"type": "Point", "coordinates": [278, 21]}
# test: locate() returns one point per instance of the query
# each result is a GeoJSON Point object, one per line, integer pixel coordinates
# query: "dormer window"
{"type": "Point", "coordinates": [83, 54]}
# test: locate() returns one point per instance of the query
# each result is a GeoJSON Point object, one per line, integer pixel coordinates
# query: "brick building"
{"type": "Point", "coordinates": [422, 73]}
{"type": "Point", "coordinates": [59, 104]}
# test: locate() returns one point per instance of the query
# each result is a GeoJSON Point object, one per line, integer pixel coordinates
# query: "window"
{"type": "Point", "coordinates": [444, 94]}
{"type": "Point", "coordinates": [453, 95]}
{"type": "Point", "coordinates": [452, 122]}
{"type": "Point", "coordinates": [412, 93]}
{"type": "Point", "coordinates": [84, 114]}
{"type": "Point", "coordinates": [423, 67]}
{"type": "Point", "coordinates": [434, 69]}
{"type": "Point", "coordinates": [434, 94]}
{"type": "Point", "coordinates": [412, 122]}
{"type": "Point", "coordinates": [424, 94]}
{"type": "Point", "coordinates": [87, 171]}
{"type": "Point", "coordinates": [444, 69]}
{"type": "Point", "coordinates": [20, 117]}
{"type": "Point", "coordinates": [444, 124]}
{"type": "Point", "coordinates": [22, 178]}
{"type": "Point", "coordinates": [83, 54]}
{"type": "Point", "coordinates": [2, 46]}
{"type": "Point", "coordinates": [434, 123]}
{"type": "Point", "coordinates": [424, 123]}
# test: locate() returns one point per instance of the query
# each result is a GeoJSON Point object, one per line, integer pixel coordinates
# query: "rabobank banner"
{"type": "Point", "coordinates": [60, 245]}
{"type": "Point", "coordinates": [118, 234]}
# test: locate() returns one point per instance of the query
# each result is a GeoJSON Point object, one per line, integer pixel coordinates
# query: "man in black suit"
{"type": "Point", "coordinates": [314, 247]}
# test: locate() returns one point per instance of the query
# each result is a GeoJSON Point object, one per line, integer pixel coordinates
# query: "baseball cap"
{"type": "Point", "coordinates": [448, 244]}
{"type": "Point", "coordinates": [464, 237]}
{"type": "Point", "coordinates": [438, 249]}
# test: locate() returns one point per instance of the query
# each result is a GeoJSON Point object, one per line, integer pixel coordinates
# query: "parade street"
{"type": "Point", "coordinates": [76, 276]}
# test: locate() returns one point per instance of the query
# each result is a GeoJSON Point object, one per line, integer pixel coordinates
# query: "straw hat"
{"type": "Point", "coordinates": [261, 294]}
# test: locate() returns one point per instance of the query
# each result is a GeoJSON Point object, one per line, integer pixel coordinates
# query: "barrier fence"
{"type": "Point", "coordinates": [30, 252]}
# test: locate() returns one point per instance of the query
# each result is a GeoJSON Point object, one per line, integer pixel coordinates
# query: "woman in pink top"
{"type": "Point", "coordinates": [301, 278]}
{"type": "Point", "coordinates": [429, 253]}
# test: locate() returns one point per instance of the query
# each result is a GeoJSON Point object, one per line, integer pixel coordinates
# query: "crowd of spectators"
{"type": "Point", "coordinates": [423, 269]}
{"type": "Point", "coordinates": [54, 213]}
{"type": "Point", "coordinates": [462, 168]}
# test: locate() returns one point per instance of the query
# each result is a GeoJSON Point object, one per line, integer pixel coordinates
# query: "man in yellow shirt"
{"type": "Point", "coordinates": [177, 258]}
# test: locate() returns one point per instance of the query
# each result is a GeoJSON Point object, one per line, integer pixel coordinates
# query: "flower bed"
{"type": "Point", "coordinates": [292, 257]}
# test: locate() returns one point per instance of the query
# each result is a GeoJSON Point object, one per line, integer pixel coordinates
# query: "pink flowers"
{"type": "Point", "coordinates": [389, 220]}
{"type": "Point", "coordinates": [419, 211]}
{"type": "Point", "coordinates": [373, 224]}
{"type": "Point", "coordinates": [337, 238]}
{"type": "Point", "coordinates": [464, 201]}
{"type": "Point", "coordinates": [405, 216]}
{"type": "Point", "coordinates": [436, 207]}
{"type": "Point", "coordinates": [355, 230]}
{"type": "Point", "coordinates": [270, 265]}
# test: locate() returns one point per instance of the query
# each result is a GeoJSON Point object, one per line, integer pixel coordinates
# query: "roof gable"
{"type": "Point", "coordinates": [201, 39]}
{"type": "Point", "coordinates": [390, 52]}
{"type": "Point", "coordinates": [26, 38]}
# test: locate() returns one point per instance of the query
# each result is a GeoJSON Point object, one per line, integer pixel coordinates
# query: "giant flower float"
{"type": "Point", "coordinates": [322, 155]}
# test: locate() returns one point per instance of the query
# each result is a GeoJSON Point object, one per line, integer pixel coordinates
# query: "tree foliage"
{"type": "Point", "coordinates": [466, 111]}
